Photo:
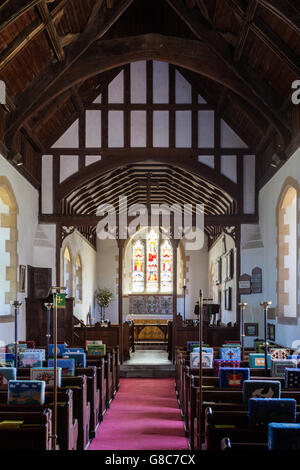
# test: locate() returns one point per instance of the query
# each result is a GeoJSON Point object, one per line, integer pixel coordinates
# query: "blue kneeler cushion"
{"type": "Point", "coordinates": [271, 410]}
{"type": "Point", "coordinates": [284, 436]}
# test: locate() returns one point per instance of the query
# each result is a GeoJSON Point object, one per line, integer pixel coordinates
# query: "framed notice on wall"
{"type": "Point", "coordinates": [22, 278]}
{"type": "Point", "coordinates": [228, 298]}
{"type": "Point", "coordinates": [245, 284]}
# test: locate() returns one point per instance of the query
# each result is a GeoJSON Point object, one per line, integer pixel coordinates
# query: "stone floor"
{"type": "Point", "coordinates": [148, 363]}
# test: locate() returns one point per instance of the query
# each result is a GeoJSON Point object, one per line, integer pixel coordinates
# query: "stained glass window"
{"type": "Point", "coordinates": [152, 261]}
{"type": "Point", "coordinates": [166, 267]}
{"type": "Point", "coordinates": [138, 267]}
{"type": "Point", "coordinates": [152, 265]}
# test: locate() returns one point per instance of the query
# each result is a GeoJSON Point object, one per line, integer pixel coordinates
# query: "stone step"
{"type": "Point", "coordinates": [149, 372]}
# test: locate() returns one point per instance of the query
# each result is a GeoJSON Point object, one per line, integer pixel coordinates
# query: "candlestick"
{"type": "Point", "coordinates": [266, 306]}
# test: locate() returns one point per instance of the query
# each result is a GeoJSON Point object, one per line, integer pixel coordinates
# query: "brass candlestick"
{"type": "Point", "coordinates": [266, 305]}
{"type": "Point", "coordinates": [243, 306]}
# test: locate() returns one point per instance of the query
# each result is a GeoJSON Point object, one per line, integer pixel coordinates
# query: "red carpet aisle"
{"type": "Point", "coordinates": [143, 416]}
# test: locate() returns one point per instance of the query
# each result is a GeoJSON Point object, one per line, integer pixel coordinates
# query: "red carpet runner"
{"type": "Point", "coordinates": [143, 416]}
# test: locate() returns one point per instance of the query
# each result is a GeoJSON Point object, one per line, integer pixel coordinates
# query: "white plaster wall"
{"type": "Point", "coordinates": [107, 265]}
{"type": "Point", "coordinates": [268, 198]}
{"type": "Point", "coordinates": [78, 244]}
{"type": "Point", "coordinates": [44, 249]}
{"type": "Point", "coordinates": [215, 252]}
{"type": "Point", "coordinates": [27, 199]}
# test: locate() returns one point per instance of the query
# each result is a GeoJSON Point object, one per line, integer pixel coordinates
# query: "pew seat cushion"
{"type": "Point", "coordinates": [261, 389]}
{"type": "Point", "coordinates": [284, 436]}
{"type": "Point", "coordinates": [218, 363]}
{"type": "Point", "coordinates": [292, 378]}
{"type": "Point", "coordinates": [268, 410]}
{"type": "Point", "coordinates": [233, 377]}
{"type": "Point", "coordinates": [7, 374]}
{"type": "Point", "coordinates": [257, 361]}
{"type": "Point", "coordinates": [278, 366]}
{"type": "Point", "coordinates": [26, 392]}
{"type": "Point", "coordinates": [230, 354]}
{"type": "Point", "coordinates": [279, 353]}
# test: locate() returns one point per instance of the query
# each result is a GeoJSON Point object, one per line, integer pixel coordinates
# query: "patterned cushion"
{"type": "Point", "coordinates": [259, 345]}
{"type": "Point", "coordinates": [80, 358]}
{"type": "Point", "coordinates": [7, 374]}
{"type": "Point", "coordinates": [269, 410]}
{"type": "Point", "coordinates": [47, 375]}
{"type": "Point", "coordinates": [257, 361]}
{"type": "Point", "coordinates": [261, 389]}
{"type": "Point", "coordinates": [230, 354]}
{"type": "Point", "coordinates": [218, 363]}
{"type": "Point", "coordinates": [233, 377]}
{"type": "Point", "coordinates": [61, 348]}
{"type": "Point", "coordinates": [284, 436]}
{"type": "Point", "coordinates": [279, 353]}
{"type": "Point", "coordinates": [292, 378]}
{"type": "Point", "coordinates": [7, 360]}
{"type": "Point", "coordinates": [30, 359]}
{"type": "Point", "coordinates": [26, 392]}
{"type": "Point", "coordinates": [278, 366]}
{"type": "Point", "coordinates": [207, 360]}
{"type": "Point", "coordinates": [96, 350]}
{"type": "Point", "coordinates": [67, 366]}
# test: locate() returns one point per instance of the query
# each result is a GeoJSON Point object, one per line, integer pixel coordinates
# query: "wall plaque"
{"type": "Point", "coordinates": [245, 284]}
{"type": "Point", "coordinates": [256, 281]}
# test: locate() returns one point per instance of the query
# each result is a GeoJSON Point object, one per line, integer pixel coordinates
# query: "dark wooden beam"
{"type": "Point", "coordinates": [249, 16]}
{"type": "Point", "coordinates": [84, 220]}
{"type": "Point", "coordinates": [51, 30]}
{"type": "Point", "coordinates": [27, 35]}
{"type": "Point", "coordinates": [94, 30]}
{"type": "Point", "coordinates": [285, 10]}
{"type": "Point", "coordinates": [104, 55]}
{"type": "Point", "coordinates": [11, 10]}
{"type": "Point", "coordinates": [264, 33]}
{"type": "Point", "coordinates": [222, 50]}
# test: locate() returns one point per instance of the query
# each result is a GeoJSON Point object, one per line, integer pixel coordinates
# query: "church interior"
{"type": "Point", "coordinates": [149, 225]}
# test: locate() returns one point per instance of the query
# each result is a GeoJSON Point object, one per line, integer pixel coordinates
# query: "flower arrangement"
{"type": "Point", "coordinates": [104, 298]}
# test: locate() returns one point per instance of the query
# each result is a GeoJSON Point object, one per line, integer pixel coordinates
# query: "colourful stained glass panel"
{"type": "Point", "coordinates": [138, 266]}
{"type": "Point", "coordinates": [152, 261]}
{"type": "Point", "coordinates": [166, 267]}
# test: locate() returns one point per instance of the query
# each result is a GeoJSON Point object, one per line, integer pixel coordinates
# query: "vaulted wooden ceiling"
{"type": "Point", "coordinates": [257, 41]}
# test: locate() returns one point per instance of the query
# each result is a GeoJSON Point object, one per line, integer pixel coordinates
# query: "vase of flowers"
{"type": "Point", "coordinates": [104, 298]}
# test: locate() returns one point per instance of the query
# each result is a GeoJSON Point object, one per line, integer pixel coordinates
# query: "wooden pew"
{"type": "Point", "coordinates": [34, 434]}
{"type": "Point", "coordinates": [82, 408]}
{"type": "Point", "coordinates": [93, 396]}
{"type": "Point", "coordinates": [109, 394]}
{"type": "Point", "coordinates": [227, 445]}
{"type": "Point", "coordinates": [67, 427]}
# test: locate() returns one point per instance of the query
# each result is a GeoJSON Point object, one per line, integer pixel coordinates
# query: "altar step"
{"type": "Point", "coordinates": [147, 370]}
{"type": "Point", "coordinates": [154, 345]}
{"type": "Point", "coordinates": [148, 363]}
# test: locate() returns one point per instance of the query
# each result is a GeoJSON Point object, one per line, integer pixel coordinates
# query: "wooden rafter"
{"type": "Point", "coordinates": [248, 18]}
{"type": "Point", "coordinates": [84, 220]}
{"type": "Point", "coordinates": [264, 33]}
{"type": "Point", "coordinates": [51, 30]}
{"type": "Point", "coordinates": [94, 30]}
{"type": "Point", "coordinates": [219, 46]}
{"type": "Point", "coordinates": [285, 10]}
{"type": "Point", "coordinates": [102, 56]}
{"type": "Point", "coordinates": [28, 34]}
